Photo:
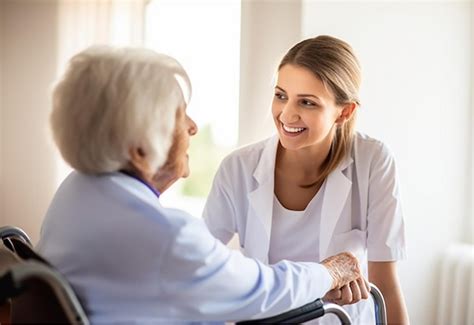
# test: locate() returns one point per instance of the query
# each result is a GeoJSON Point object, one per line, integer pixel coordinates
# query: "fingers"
{"type": "Point", "coordinates": [356, 291]}
{"type": "Point", "coordinates": [333, 295]}
{"type": "Point", "coordinates": [364, 287]}
{"type": "Point", "coordinates": [342, 296]}
{"type": "Point", "coordinates": [346, 297]}
{"type": "Point", "coordinates": [350, 293]}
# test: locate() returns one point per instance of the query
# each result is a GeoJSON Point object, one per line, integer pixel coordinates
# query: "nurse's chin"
{"type": "Point", "coordinates": [291, 145]}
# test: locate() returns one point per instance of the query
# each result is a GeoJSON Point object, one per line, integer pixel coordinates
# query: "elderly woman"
{"type": "Point", "coordinates": [119, 120]}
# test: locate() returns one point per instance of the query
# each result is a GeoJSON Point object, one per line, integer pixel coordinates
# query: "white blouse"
{"type": "Point", "coordinates": [295, 234]}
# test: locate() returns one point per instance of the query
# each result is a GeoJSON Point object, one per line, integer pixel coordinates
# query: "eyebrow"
{"type": "Point", "coordinates": [299, 95]}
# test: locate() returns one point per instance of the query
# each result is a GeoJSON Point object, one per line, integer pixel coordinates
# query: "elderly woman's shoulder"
{"type": "Point", "coordinates": [179, 222]}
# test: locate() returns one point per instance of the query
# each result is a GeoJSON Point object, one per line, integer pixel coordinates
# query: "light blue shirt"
{"type": "Point", "coordinates": [129, 260]}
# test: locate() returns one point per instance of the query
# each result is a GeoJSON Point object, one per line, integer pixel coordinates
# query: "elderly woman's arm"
{"type": "Point", "coordinates": [208, 281]}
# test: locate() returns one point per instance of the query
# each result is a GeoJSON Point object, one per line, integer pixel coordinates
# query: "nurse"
{"type": "Point", "coordinates": [317, 188]}
{"type": "Point", "coordinates": [119, 119]}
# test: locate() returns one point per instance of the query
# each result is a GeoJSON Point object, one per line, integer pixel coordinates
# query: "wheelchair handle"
{"type": "Point", "coordinates": [18, 275]}
{"type": "Point", "coordinates": [310, 311]}
{"type": "Point", "coordinates": [379, 304]}
{"type": "Point", "coordinates": [9, 231]}
{"type": "Point", "coordinates": [319, 308]}
{"type": "Point", "coordinates": [344, 318]}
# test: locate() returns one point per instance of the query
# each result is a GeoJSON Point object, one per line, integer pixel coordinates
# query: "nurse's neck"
{"type": "Point", "coordinates": [298, 169]}
{"type": "Point", "coordinates": [305, 163]}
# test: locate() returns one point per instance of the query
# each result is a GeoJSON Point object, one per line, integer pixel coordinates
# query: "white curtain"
{"type": "Point", "coordinates": [82, 23]}
{"type": "Point", "coordinates": [86, 22]}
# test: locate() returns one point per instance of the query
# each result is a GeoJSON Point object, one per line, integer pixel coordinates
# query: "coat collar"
{"type": "Point", "coordinates": [268, 159]}
{"type": "Point", "coordinates": [259, 223]}
{"type": "Point", "coordinates": [337, 189]}
{"type": "Point", "coordinates": [265, 170]}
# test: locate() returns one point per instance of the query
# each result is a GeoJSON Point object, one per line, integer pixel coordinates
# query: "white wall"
{"type": "Point", "coordinates": [1, 103]}
{"type": "Point", "coordinates": [28, 67]}
{"type": "Point", "coordinates": [416, 97]}
{"type": "Point", "coordinates": [470, 227]}
{"type": "Point", "coordinates": [269, 28]}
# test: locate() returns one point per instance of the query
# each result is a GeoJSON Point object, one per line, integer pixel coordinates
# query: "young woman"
{"type": "Point", "coordinates": [318, 187]}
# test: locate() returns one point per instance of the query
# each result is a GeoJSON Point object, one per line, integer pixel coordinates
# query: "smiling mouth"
{"type": "Point", "coordinates": [291, 130]}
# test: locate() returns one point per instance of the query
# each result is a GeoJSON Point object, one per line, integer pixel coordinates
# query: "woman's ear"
{"type": "Point", "coordinates": [346, 113]}
{"type": "Point", "coordinates": [140, 164]}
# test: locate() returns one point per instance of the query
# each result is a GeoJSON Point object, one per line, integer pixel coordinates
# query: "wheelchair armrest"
{"type": "Point", "coordinates": [318, 309]}
{"type": "Point", "coordinates": [305, 313]}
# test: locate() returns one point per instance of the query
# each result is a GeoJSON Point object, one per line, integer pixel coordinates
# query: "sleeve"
{"type": "Point", "coordinates": [204, 280]}
{"type": "Point", "coordinates": [386, 230]}
{"type": "Point", "coordinates": [219, 211]}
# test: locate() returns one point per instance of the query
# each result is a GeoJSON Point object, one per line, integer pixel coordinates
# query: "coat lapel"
{"type": "Point", "coordinates": [337, 189]}
{"type": "Point", "coordinates": [259, 221]}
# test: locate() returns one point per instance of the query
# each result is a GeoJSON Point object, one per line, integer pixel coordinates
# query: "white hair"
{"type": "Point", "coordinates": [112, 99]}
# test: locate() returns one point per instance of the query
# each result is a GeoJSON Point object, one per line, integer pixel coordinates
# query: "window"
{"type": "Point", "coordinates": [204, 36]}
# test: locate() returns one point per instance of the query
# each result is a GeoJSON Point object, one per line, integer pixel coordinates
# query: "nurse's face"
{"type": "Point", "coordinates": [304, 111]}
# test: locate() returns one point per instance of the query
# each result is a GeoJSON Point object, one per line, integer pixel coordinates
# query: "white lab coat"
{"type": "Point", "coordinates": [130, 260]}
{"type": "Point", "coordinates": [360, 213]}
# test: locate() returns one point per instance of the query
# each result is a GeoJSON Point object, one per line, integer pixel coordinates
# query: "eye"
{"type": "Point", "coordinates": [307, 103]}
{"type": "Point", "coordinates": [280, 96]}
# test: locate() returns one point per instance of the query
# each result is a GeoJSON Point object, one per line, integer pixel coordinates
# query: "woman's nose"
{"type": "Point", "coordinates": [289, 114]}
{"type": "Point", "coordinates": [192, 126]}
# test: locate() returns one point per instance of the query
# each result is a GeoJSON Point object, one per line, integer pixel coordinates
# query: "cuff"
{"type": "Point", "coordinates": [386, 254]}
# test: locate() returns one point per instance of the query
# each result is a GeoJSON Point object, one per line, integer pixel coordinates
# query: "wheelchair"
{"type": "Point", "coordinates": [32, 291]}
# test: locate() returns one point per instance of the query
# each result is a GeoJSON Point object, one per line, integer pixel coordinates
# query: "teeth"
{"type": "Point", "coordinates": [292, 130]}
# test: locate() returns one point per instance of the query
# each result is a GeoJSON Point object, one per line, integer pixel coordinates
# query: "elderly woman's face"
{"type": "Point", "coordinates": [176, 165]}
{"type": "Point", "coordinates": [178, 159]}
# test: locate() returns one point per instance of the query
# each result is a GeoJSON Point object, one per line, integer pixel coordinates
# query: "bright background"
{"type": "Point", "coordinates": [211, 56]}
{"type": "Point", "coordinates": [417, 96]}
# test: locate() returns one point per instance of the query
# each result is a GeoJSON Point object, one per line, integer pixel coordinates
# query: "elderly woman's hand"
{"type": "Point", "coordinates": [349, 293]}
{"type": "Point", "coordinates": [349, 285]}
{"type": "Point", "coordinates": [343, 267]}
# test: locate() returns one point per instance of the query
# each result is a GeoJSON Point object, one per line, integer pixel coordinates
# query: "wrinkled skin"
{"type": "Point", "coordinates": [343, 268]}
{"type": "Point", "coordinates": [349, 285]}
{"type": "Point", "coordinates": [177, 162]}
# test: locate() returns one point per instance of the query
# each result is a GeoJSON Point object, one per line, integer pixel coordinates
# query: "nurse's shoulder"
{"type": "Point", "coordinates": [244, 160]}
{"type": "Point", "coordinates": [367, 150]}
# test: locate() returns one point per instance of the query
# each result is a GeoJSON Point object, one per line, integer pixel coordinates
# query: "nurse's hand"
{"type": "Point", "coordinates": [349, 293]}
{"type": "Point", "coordinates": [344, 268]}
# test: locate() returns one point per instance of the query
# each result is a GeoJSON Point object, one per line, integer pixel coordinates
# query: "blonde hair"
{"type": "Point", "coordinates": [111, 99]}
{"type": "Point", "coordinates": [335, 64]}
